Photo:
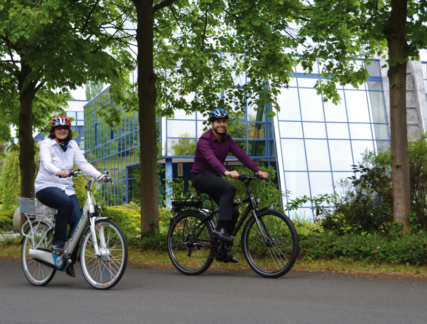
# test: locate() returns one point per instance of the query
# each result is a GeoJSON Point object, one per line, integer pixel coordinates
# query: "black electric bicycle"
{"type": "Point", "coordinates": [269, 239]}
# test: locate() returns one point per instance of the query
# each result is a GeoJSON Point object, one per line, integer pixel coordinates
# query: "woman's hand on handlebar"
{"type": "Point", "coordinates": [232, 174]}
{"type": "Point", "coordinates": [263, 174]}
{"type": "Point", "coordinates": [63, 173]}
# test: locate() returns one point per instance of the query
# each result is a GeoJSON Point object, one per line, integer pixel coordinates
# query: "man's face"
{"type": "Point", "coordinates": [219, 125]}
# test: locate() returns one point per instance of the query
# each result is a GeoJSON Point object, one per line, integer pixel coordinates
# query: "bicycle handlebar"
{"type": "Point", "coordinates": [75, 173]}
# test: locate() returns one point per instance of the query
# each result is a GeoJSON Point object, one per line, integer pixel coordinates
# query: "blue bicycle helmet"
{"type": "Point", "coordinates": [218, 113]}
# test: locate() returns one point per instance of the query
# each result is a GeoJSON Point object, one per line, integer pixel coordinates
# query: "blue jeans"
{"type": "Point", "coordinates": [68, 213]}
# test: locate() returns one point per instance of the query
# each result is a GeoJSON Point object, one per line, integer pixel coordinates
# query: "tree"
{"type": "Point", "coordinates": [49, 45]}
{"type": "Point", "coordinates": [202, 46]}
{"type": "Point", "coordinates": [365, 28]}
{"type": "Point", "coordinates": [92, 89]}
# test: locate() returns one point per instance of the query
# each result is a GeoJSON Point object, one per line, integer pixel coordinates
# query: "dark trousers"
{"type": "Point", "coordinates": [222, 193]}
{"type": "Point", "coordinates": [68, 213]}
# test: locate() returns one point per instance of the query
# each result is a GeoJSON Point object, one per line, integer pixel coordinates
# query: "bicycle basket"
{"type": "Point", "coordinates": [31, 206]}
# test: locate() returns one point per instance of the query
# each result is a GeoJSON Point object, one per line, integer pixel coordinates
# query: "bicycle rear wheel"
{"type": "Point", "coordinates": [106, 270]}
{"type": "Point", "coordinates": [275, 256]}
{"type": "Point", "coordinates": [185, 250]}
{"type": "Point", "coordinates": [37, 273]}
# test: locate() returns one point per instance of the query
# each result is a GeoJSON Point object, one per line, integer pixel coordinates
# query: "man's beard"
{"type": "Point", "coordinates": [221, 134]}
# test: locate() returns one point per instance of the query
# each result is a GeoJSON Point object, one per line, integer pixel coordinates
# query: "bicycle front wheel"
{"type": "Point", "coordinates": [188, 239]}
{"type": "Point", "coordinates": [104, 271]}
{"type": "Point", "coordinates": [273, 254]}
{"type": "Point", "coordinates": [37, 273]}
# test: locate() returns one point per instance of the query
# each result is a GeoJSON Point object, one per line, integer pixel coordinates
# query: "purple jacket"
{"type": "Point", "coordinates": [210, 154]}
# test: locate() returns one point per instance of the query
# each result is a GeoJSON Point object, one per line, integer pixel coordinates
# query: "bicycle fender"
{"type": "Point", "coordinates": [102, 218]}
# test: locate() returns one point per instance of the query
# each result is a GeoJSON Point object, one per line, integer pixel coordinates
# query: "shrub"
{"type": "Point", "coordinates": [395, 249]}
{"type": "Point", "coordinates": [6, 220]}
{"type": "Point", "coordinates": [127, 217]}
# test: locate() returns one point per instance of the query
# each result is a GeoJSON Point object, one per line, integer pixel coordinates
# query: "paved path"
{"type": "Point", "coordinates": [166, 296]}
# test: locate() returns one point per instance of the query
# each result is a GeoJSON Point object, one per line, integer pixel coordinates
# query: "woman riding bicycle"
{"type": "Point", "coordinates": [54, 186]}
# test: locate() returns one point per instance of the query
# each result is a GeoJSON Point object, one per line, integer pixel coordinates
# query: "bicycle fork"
{"type": "Point", "coordinates": [100, 250]}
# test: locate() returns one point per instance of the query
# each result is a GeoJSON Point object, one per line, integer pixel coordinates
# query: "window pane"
{"type": "Point", "coordinates": [381, 146]}
{"type": "Point", "coordinates": [297, 184]}
{"type": "Point", "coordinates": [334, 112]}
{"type": "Point", "coordinates": [201, 129]}
{"type": "Point", "coordinates": [256, 148]}
{"type": "Point", "coordinates": [293, 154]}
{"type": "Point", "coordinates": [181, 147]}
{"type": "Point", "coordinates": [80, 123]}
{"type": "Point", "coordinates": [360, 131]}
{"type": "Point", "coordinates": [337, 130]}
{"type": "Point", "coordinates": [317, 155]}
{"type": "Point", "coordinates": [376, 101]}
{"type": "Point", "coordinates": [321, 183]}
{"type": "Point", "coordinates": [375, 85]}
{"type": "Point", "coordinates": [256, 130]}
{"type": "Point", "coordinates": [289, 104]}
{"type": "Point", "coordinates": [311, 105]}
{"type": "Point", "coordinates": [80, 115]}
{"type": "Point", "coordinates": [359, 148]}
{"type": "Point", "coordinates": [180, 114]}
{"type": "Point", "coordinates": [338, 178]}
{"type": "Point", "coordinates": [181, 128]}
{"type": "Point", "coordinates": [306, 82]}
{"type": "Point", "coordinates": [357, 106]}
{"type": "Point", "coordinates": [71, 114]}
{"type": "Point", "coordinates": [289, 129]}
{"type": "Point", "coordinates": [314, 130]}
{"type": "Point", "coordinates": [374, 68]}
{"type": "Point", "coordinates": [341, 158]}
{"type": "Point", "coordinates": [239, 130]}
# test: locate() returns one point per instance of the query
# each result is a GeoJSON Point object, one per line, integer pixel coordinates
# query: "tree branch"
{"type": "Point", "coordinates": [204, 31]}
{"type": "Point", "coordinates": [88, 17]}
{"type": "Point", "coordinates": [163, 4]}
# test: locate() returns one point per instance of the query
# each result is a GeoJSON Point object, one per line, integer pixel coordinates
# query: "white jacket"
{"type": "Point", "coordinates": [53, 159]}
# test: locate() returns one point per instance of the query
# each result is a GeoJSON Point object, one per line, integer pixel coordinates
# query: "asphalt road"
{"type": "Point", "coordinates": [166, 296]}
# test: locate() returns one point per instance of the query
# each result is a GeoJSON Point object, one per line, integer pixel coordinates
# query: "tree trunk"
{"type": "Point", "coordinates": [398, 50]}
{"type": "Point", "coordinates": [27, 165]}
{"type": "Point", "coordinates": [147, 115]}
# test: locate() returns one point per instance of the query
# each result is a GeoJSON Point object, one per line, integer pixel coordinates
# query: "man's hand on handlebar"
{"type": "Point", "coordinates": [232, 174]}
{"type": "Point", "coordinates": [63, 173]}
{"type": "Point", "coordinates": [263, 174]}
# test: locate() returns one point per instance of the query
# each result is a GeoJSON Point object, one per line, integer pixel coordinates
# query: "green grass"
{"type": "Point", "coordinates": [11, 249]}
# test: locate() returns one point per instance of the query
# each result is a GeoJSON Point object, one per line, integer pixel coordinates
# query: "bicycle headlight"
{"type": "Point", "coordinates": [258, 200]}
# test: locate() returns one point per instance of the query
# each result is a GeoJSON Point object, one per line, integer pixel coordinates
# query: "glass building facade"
{"type": "Point", "coordinates": [320, 141]}
{"type": "Point", "coordinates": [78, 125]}
{"type": "Point", "coordinates": [311, 143]}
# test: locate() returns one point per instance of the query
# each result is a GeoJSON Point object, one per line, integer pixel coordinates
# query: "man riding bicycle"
{"type": "Point", "coordinates": [208, 169]}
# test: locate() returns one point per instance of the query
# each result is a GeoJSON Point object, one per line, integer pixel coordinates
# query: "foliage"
{"type": "Point", "coordinates": [395, 249]}
{"type": "Point", "coordinates": [92, 89]}
{"type": "Point", "coordinates": [365, 203]}
{"type": "Point", "coordinates": [182, 147]}
{"type": "Point", "coordinates": [11, 181]}
{"type": "Point", "coordinates": [46, 47]}
{"type": "Point", "coordinates": [6, 220]}
{"type": "Point", "coordinates": [127, 217]}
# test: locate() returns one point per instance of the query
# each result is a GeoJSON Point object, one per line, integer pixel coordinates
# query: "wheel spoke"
{"type": "Point", "coordinates": [270, 256]}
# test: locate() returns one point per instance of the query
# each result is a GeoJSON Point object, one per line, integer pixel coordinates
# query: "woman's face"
{"type": "Point", "coordinates": [62, 132]}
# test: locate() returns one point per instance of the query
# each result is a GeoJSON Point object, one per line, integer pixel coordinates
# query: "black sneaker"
{"type": "Point", "coordinates": [222, 235]}
{"type": "Point", "coordinates": [70, 271]}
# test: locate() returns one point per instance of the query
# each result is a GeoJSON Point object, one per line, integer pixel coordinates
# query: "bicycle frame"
{"type": "Point", "coordinates": [252, 206]}
{"type": "Point", "coordinates": [61, 262]}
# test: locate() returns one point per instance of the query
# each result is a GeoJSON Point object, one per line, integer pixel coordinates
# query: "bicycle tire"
{"type": "Point", "coordinates": [37, 273]}
{"type": "Point", "coordinates": [180, 243]}
{"type": "Point", "coordinates": [106, 271]}
{"type": "Point", "coordinates": [276, 257]}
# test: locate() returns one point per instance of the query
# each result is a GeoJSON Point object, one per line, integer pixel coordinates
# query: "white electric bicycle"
{"type": "Point", "coordinates": [103, 248]}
